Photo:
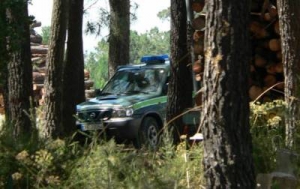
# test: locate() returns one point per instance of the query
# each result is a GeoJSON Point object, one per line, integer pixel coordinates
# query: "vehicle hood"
{"type": "Point", "coordinates": [110, 101]}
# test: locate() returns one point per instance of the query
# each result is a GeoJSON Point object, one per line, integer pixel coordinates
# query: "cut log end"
{"type": "Point", "coordinates": [197, 6]}
{"type": "Point", "coordinates": [274, 45]}
{"type": "Point", "coordinates": [255, 92]}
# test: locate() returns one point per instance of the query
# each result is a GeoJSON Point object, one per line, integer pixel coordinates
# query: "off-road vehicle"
{"type": "Point", "coordinates": [132, 105]}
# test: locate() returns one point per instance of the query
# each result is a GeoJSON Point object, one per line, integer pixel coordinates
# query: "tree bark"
{"type": "Point", "coordinates": [227, 141]}
{"type": "Point", "coordinates": [180, 85]}
{"type": "Point", "coordinates": [119, 34]}
{"type": "Point", "coordinates": [19, 74]}
{"type": "Point", "coordinates": [53, 80]}
{"type": "Point", "coordinates": [289, 19]}
{"type": "Point", "coordinates": [73, 73]}
{"type": "Point", "coordinates": [3, 56]}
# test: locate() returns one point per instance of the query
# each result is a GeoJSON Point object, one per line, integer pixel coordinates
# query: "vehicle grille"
{"type": "Point", "coordinates": [94, 115]}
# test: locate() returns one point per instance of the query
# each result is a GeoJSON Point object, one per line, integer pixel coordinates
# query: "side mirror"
{"type": "Point", "coordinates": [98, 92]}
{"type": "Point", "coordinates": [165, 88]}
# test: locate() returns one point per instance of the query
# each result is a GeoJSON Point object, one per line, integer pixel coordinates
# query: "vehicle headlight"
{"type": "Point", "coordinates": [124, 112]}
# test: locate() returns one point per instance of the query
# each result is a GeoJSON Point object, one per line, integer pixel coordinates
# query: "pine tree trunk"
{"type": "Point", "coordinates": [289, 19]}
{"type": "Point", "coordinates": [227, 141]}
{"type": "Point", "coordinates": [119, 34]}
{"type": "Point", "coordinates": [180, 85]}
{"type": "Point", "coordinates": [73, 74]}
{"type": "Point", "coordinates": [3, 56]}
{"type": "Point", "coordinates": [20, 71]}
{"type": "Point", "coordinates": [53, 80]}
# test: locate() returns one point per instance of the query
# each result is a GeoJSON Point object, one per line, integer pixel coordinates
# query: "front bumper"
{"type": "Point", "coordinates": [122, 128]}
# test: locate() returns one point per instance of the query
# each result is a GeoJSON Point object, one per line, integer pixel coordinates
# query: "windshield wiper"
{"type": "Point", "coordinates": [134, 92]}
{"type": "Point", "coordinates": [105, 93]}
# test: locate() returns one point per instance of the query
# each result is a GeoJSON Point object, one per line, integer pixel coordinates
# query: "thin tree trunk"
{"type": "Point", "coordinates": [119, 34]}
{"type": "Point", "coordinates": [289, 19]}
{"type": "Point", "coordinates": [4, 56]}
{"type": "Point", "coordinates": [19, 87]}
{"type": "Point", "coordinates": [73, 81]}
{"type": "Point", "coordinates": [53, 80]}
{"type": "Point", "coordinates": [227, 141]}
{"type": "Point", "coordinates": [180, 85]}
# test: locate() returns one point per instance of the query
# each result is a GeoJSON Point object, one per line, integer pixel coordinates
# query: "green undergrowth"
{"type": "Point", "coordinates": [46, 163]}
{"type": "Point", "coordinates": [267, 129]}
{"type": "Point", "coordinates": [268, 136]}
{"type": "Point", "coordinates": [99, 164]}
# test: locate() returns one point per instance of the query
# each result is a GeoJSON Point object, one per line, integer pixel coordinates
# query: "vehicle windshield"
{"type": "Point", "coordinates": [134, 81]}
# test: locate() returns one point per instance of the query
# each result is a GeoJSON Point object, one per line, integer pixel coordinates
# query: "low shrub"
{"type": "Point", "coordinates": [99, 164]}
{"type": "Point", "coordinates": [267, 129]}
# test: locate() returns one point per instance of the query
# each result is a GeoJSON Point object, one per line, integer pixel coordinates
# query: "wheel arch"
{"type": "Point", "coordinates": [157, 117]}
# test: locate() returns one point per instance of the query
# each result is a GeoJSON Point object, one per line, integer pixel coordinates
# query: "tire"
{"type": "Point", "coordinates": [148, 134]}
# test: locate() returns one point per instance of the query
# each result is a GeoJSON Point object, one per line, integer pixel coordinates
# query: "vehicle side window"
{"type": "Point", "coordinates": [153, 81]}
{"type": "Point", "coordinates": [149, 80]}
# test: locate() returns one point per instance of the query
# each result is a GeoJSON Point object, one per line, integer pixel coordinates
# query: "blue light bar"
{"type": "Point", "coordinates": [155, 59]}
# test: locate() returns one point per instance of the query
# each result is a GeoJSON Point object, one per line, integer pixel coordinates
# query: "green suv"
{"type": "Point", "coordinates": [132, 105]}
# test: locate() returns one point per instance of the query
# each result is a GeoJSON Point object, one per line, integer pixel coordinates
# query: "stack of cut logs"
{"type": "Point", "coordinates": [89, 91]}
{"type": "Point", "coordinates": [39, 57]}
{"type": "Point", "coordinates": [266, 64]}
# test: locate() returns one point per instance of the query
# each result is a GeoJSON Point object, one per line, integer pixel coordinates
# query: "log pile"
{"type": "Point", "coordinates": [88, 83]}
{"type": "Point", "coordinates": [39, 58]}
{"type": "Point", "coordinates": [266, 64]}
{"type": "Point", "coordinates": [266, 78]}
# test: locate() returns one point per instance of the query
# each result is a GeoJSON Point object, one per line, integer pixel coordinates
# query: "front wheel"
{"type": "Point", "coordinates": [148, 134]}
